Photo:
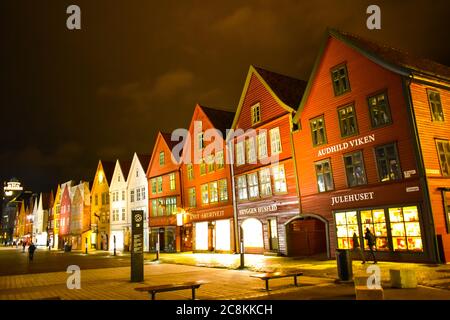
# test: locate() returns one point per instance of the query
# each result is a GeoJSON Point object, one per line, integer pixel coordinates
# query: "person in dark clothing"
{"type": "Point", "coordinates": [371, 243]}
{"type": "Point", "coordinates": [31, 249]}
{"type": "Point", "coordinates": [357, 248]}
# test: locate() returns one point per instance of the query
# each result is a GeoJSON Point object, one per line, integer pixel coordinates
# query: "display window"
{"type": "Point", "coordinates": [396, 228]}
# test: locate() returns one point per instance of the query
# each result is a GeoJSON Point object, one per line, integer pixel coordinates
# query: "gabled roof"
{"type": "Point", "coordinates": [287, 91]}
{"type": "Point", "coordinates": [393, 59]}
{"type": "Point", "coordinates": [108, 169]}
{"type": "Point", "coordinates": [220, 119]}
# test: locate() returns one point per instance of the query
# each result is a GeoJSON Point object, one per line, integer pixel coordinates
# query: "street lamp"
{"type": "Point", "coordinates": [114, 239]}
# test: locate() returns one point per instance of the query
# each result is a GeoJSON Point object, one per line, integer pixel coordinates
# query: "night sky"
{"type": "Point", "coordinates": [70, 98]}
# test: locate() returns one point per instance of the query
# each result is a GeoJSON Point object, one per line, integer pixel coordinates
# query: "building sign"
{"type": "Point", "coordinates": [409, 173]}
{"type": "Point", "coordinates": [433, 171]}
{"type": "Point", "coordinates": [412, 189]}
{"type": "Point", "coordinates": [13, 186]}
{"type": "Point", "coordinates": [345, 145]}
{"type": "Point", "coordinates": [207, 215]}
{"type": "Point", "coordinates": [137, 246]}
{"type": "Point", "coordinates": [264, 209]}
{"type": "Point", "coordinates": [352, 197]}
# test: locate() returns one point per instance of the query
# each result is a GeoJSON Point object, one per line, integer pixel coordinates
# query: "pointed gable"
{"type": "Point", "coordinates": [164, 144]}
{"type": "Point", "coordinates": [276, 95]}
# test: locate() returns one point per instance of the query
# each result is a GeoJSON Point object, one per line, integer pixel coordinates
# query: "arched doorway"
{"type": "Point", "coordinates": [307, 236]}
{"type": "Point", "coordinates": [252, 230]}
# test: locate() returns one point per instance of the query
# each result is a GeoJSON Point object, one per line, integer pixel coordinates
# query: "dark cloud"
{"type": "Point", "coordinates": [68, 98]}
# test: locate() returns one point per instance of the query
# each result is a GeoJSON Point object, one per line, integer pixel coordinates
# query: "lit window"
{"type": "Point", "coordinates": [154, 212]}
{"type": "Point", "coordinates": [262, 145]}
{"type": "Point", "coordinates": [202, 167]}
{"type": "Point", "coordinates": [213, 192]}
{"type": "Point", "coordinates": [190, 171]}
{"type": "Point", "coordinates": [205, 195]}
{"type": "Point", "coordinates": [434, 100]}
{"type": "Point", "coordinates": [279, 179]}
{"type": "Point", "coordinates": [375, 221]}
{"type": "Point", "coordinates": [324, 176]}
{"type": "Point", "coordinates": [162, 159]}
{"type": "Point", "coordinates": [340, 80]}
{"type": "Point", "coordinates": [240, 156]}
{"type": "Point", "coordinates": [346, 226]}
{"type": "Point", "coordinates": [318, 131]}
{"type": "Point", "coordinates": [242, 187]}
{"type": "Point", "coordinates": [192, 197]}
{"type": "Point", "coordinates": [388, 163]}
{"type": "Point", "coordinates": [210, 161]}
{"type": "Point", "coordinates": [347, 121]}
{"type": "Point", "coordinates": [219, 160]}
{"type": "Point", "coordinates": [154, 187]}
{"type": "Point", "coordinates": [446, 198]}
{"type": "Point", "coordinates": [443, 149]}
{"type": "Point", "coordinates": [265, 184]}
{"type": "Point", "coordinates": [172, 181]}
{"type": "Point", "coordinates": [251, 152]}
{"type": "Point", "coordinates": [159, 183]}
{"type": "Point", "coordinates": [223, 190]}
{"type": "Point", "coordinates": [405, 229]}
{"type": "Point", "coordinates": [256, 113]}
{"type": "Point", "coordinates": [171, 205]}
{"type": "Point", "coordinates": [354, 168]}
{"type": "Point", "coordinates": [253, 188]}
{"type": "Point", "coordinates": [380, 114]}
{"type": "Point", "coordinates": [275, 141]}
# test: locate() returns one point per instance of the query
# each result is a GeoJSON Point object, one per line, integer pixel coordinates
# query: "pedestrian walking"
{"type": "Point", "coordinates": [357, 248]}
{"type": "Point", "coordinates": [31, 249]}
{"type": "Point", "coordinates": [371, 243]}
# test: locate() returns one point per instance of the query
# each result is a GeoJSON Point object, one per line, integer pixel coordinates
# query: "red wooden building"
{"type": "Point", "coordinates": [373, 124]}
{"type": "Point", "coordinates": [65, 213]}
{"type": "Point", "coordinates": [266, 188]}
{"type": "Point", "coordinates": [206, 180]}
{"type": "Point", "coordinates": [165, 191]}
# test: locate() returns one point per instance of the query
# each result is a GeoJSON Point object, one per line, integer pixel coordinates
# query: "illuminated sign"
{"type": "Point", "coordinates": [269, 208]}
{"type": "Point", "coordinates": [345, 145]}
{"type": "Point", "coordinates": [207, 215]}
{"type": "Point", "coordinates": [352, 197]}
{"type": "Point", "coordinates": [13, 186]}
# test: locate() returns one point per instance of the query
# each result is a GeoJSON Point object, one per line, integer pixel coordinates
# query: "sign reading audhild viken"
{"type": "Point", "coordinates": [345, 145]}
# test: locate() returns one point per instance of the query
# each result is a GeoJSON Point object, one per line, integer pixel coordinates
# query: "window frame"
{"type": "Point", "coordinates": [275, 180]}
{"type": "Point", "coordinates": [162, 158]}
{"type": "Point", "coordinates": [202, 190]}
{"type": "Point", "coordinates": [446, 155]}
{"type": "Point", "coordinates": [253, 185]}
{"type": "Point", "coordinates": [192, 197]}
{"type": "Point", "coordinates": [352, 105]}
{"type": "Point", "coordinates": [397, 158]}
{"type": "Point", "coordinates": [254, 108]}
{"type": "Point", "coordinates": [362, 165]}
{"type": "Point", "coordinates": [264, 183]}
{"type": "Point", "coordinates": [190, 171]}
{"type": "Point", "coordinates": [331, 174]}
{"type": "Point", "coordinates": [223, 190]}
{"type": "Point", "coordinates": [335, 68]}
{"type": "Point", "coordinates": [277, 137]}
{"type": "Point", "coordinates": [240, 147]}
{"type": "Point", "coordinates": [258, 139]}
{"type": "Point", "coordinates": [433, 114]}
{"type": "Point", "coordinates": [388, 109]}
{"type": "Point", "coordinates": [325, 138]}
{"type": "Point", "coordinates": [250, 150]}
{"type": "Point", "coordinates": [172, 182]}
{"type": "Point", "coordinates": [244, 187]}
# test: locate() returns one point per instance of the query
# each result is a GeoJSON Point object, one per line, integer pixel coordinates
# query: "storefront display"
{"type": "Point", "coordinates": [404, 233]}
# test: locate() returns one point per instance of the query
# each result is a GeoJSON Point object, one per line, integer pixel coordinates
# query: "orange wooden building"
{"type": "Point", "coordinates": [266, 189]}
{"type": "Point", "coordinates": [372, 150]}
{"type": "Point", "coordinates": [165, 191]}
{"type": "Point", "coordinates": [206, 180]}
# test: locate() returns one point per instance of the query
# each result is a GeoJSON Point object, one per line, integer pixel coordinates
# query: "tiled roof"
{"type": "Point", "coordinates": [221, 119]}
{"type": "Point", "coordinates": [394, 56]}
{"type": "Point", "coordinates": [288, 89]}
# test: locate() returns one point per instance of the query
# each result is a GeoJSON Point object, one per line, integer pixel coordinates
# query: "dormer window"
{"type": "Point", "coordinates": [256, 114]}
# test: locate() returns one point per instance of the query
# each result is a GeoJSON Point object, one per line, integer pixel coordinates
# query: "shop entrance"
{"type": "Point", "coordinates": [252, 230]}
{"type": "Point", "coordinates": [306, 237]}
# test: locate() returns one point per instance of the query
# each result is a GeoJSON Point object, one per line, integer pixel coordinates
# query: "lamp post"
{"type": "Point", "coordinates": [86, 245]}
{"type": "Point", "coordinates": [114, 239]}
{"type": "Point", "coordinates": [241, 251]}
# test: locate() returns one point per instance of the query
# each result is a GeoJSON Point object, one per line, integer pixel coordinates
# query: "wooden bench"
{"type": "Point", "coordinates": [153, 290]}
{"type": "Point", "coordinates": [274, 275]}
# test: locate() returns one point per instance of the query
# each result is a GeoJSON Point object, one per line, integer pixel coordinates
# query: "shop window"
{"type": "Point", "coordinates": [240, 156]}
{"type": "Point", "coordinates": [256, 114]}
{"type": "Point", "coordinates": [346, 225]}
{"type": "Point", "coordinates": [213, 192]}
{"type": "Point", "coordinates": [405, 229]}
{"type": "Point", "coordinates": [279, 179]}
{"type": "Point", "coordinates": [434, 100]}
{"type": "Point", "coordinates": [388, 163]}
{"type": "Point", "coordinates": [159, 181]}
{"type": "Point", "coordinates": [242, 187]}
{"type": "Point", "coordinates": [253, 190]}
{"type": "Point", "coordinates": [204, 193]}
{"type": "Point", "coordinates": [354, 169]}
{"type": "Point", "coordinates": [380, 114]}
{"type": "Point", "coordinates": [192, 197]}
{"type": "Point", "coordinates": [172, 181]}
{"type": "Point", "coordinates": [190, 171]}
{"type": "Point", "coordinates": [375, 221]}
{"type": "Point", "coordinates": [153, 182]}
{"type": "Point", "coordinates": [210, 162]}
{"type": "Point", "coordinates": [318, 132]}
{"type": "Point", "coordinates": [171, 205]}
{"type": "Point", "coordinates": [251, 151]}
{"type": "Point", "coordinates": [324, 175]}
{"type": "Point", "coordinates": [347, 121]}
{"type": "Point", "coordinates": [443, 149]}
{"type": "Point", "coordinates": [220, 163]}
{"type": "Point", "coordinates": [446, 198]}
{"type": "Point", "coordinates": [202, 167]}
{"type": "Point", "coordinates": [339, 77]}
{"type": "Point", "coordinates": [275, 141]}
{"type": "Point", "coordinates": [162, 159]}
{"type": "Point", "coordinates": [223, 190]}
{"type": "Point", "coordinates": [265, 184]}
{"type": "Point", "coordinates": [262, 145]}
{"type": "Point", "coordinates": [223, 235]}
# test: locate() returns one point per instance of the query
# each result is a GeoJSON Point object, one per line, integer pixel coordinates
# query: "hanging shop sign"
{"type": "Point", "coordinates": [258, 210]}
{"type": "Point", "coordinates": [345, 145]}
{"type": "Point", "coordinates": [352, 198]}
{"type": "Point", "coordinates": [13, 186]}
